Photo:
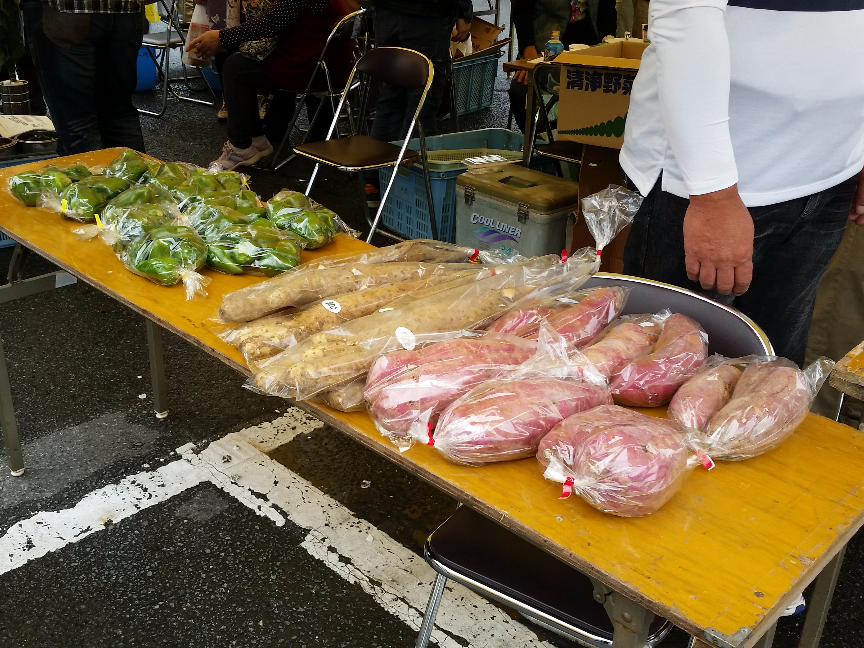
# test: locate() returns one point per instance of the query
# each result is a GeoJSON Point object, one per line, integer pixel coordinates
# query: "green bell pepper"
{"type": "Point", "coordinates": [165, 253]}
{"type": "Point", "coordinates": [129, 165]}
{"type": "Point", "coordinates": [26, 187]}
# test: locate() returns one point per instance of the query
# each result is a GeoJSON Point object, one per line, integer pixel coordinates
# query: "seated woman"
{"type": "Point", "coordinates": [302, 27]}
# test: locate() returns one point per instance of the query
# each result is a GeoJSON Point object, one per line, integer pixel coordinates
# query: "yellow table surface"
{"type": "Point", "coordinates": [728, 552]}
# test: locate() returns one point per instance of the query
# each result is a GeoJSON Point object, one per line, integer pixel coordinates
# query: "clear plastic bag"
{"type": "Point", "coordinates": [619, 461]}
{"type": "Point", "coordinates": [579, 316]}
{"type": "Point", "coordinates": [345, 399]}
{"type": "Point", "coordinates": [265, 337]}
{"type": "Point", "coordinates": [608, 212]}
{"type": "Point", "coordinates": [168, 255]}
{"type": "Point", "coordinates": [708, 390]}
{"type": "Point", "coordinates": [505, 418]}
{"type": "Point", "coordinates": [85, 199]}
{"type": "Point", "coordinates": [407, 403]}
{"type": "Point", "coordinates": [627, 338]}
{"type": "Point", "coordinates": [253, 248]}
{"type": "Point", "coordinates": [332, 358]}
{"type": "Point", "coordinates": [770, 399]}
{"type": "Point", "coordinates": [130, 166]}
{"type": "Point", "coordinates": [210, 221]}
{"type": "Point", "coordinates": [652, 380]}
{"type": "Point", "coordinates": [29, 186]}
{"type": "Point", "coordinates": [169, 175]}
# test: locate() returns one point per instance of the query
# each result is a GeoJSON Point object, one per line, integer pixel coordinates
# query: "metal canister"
{"type": "Point", "coordinates": [15, 97]}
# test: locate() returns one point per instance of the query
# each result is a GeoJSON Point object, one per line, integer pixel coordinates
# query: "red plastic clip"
{"type": "Point", "coordinates": [564, 255]}
{"type": "Point", "coordinates": [567, 489]}
{"type": "Point", "coordinates": [706, 461]}
{"type": "Point", "coordinates": [473, 257]}
{"type": "Point", "coordinates": [431, 440]}
{"type": "Point", "coordinates": [599, 252]}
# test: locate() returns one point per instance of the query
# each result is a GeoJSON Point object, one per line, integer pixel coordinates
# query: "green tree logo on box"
{"type": "Point", "coordinates": [610, 128]}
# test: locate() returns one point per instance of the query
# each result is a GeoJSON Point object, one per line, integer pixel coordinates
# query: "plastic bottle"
{"type": "Point", "coordinates": [199, 24]}
{"type": "Point", "coordinates": [553, 47]}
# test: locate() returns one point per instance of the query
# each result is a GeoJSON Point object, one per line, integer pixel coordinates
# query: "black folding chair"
{"type": "Point", "coordinates": [546, 84]}
{"type": "Point", "coordinates": [348, 28]}
{"type": "Point", "coordinates": [400, 67]}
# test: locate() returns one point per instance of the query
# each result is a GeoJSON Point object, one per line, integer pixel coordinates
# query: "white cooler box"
{"type": "Point", "coordinates": [515, 210]}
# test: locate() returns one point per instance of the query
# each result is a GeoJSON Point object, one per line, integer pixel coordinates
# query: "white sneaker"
{"type": "Point", "coordinates": [796, 607]}
{"type": "Point", "coordinates": [262, 145]}
{"type": "Point", "coordinates": [233, 157]}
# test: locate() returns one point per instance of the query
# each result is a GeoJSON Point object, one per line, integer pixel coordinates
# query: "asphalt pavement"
{"type": "Point", "coordinates": [238, 520]}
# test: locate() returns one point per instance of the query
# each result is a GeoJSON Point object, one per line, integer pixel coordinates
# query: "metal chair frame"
{"type": "Point", "coordinates": [173, 38]}
{"type": "Point", "coordinates": [364, 94]}
{"type": "Point", "coordinates": [542, 72]}
{"type": "Point", "coordinates": [355, 20]}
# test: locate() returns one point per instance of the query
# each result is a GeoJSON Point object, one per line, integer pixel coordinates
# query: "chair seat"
{"type": "Point", "coordinates": [157, 39]}
{"type": "Point", "coordinates": [470, 544]}
{"type": "Point", "coordinates": [354, 153]}
{"type": "Point", "coordinates": [561, 150]}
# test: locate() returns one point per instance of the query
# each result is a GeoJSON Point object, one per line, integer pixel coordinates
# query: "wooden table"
{"type": "Point", "coordinates": [721, 560]}
{"type": "Point", "coordinates": [847, 377]}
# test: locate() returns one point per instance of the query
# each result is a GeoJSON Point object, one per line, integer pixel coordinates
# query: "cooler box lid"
{"type": "Point", "coordinates": [540, 191]}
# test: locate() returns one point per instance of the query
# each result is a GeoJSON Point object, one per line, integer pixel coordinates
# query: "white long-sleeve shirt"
{"type": "Point", "coordinates": [765, 93]}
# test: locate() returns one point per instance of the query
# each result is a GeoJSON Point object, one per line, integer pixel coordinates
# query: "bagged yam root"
{"type": "Point", "coordinates": [630, 338]}
{"type": "Point", "coordinates": [409, 403]}
{"type": "Point", "coordinates": [619, 461]}
{"type": "Point", "coordinates": [306, 284]}
{"type": "Point", "coordinates": [703, 395]}
{"type": "Point", "coordinates": [581, 316]}
{"type": "Point", "coordinates": [265, 337]}
{"type": "Point", "coordinates": [769, 401]}
{"type": "Point", "coordinates": [335, 357]}
{"type": "Point", "coordinates": [653, 379]}
{"type": "Point", "coordinates": [345, 399]}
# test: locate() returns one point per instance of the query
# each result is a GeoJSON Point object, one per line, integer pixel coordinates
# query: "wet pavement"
{"type": "Point", "coordinates": [238, 520]}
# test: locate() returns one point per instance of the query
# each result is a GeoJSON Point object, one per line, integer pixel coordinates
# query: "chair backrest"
{"type": "Point", "coordinates": [400, 67]}
{"type": "Point", "coordinates": [730, 333]}
{"type": "Point", "coordinates": [349, 27]}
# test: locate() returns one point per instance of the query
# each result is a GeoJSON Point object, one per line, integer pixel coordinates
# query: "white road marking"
{"type": "Point", "coordinates": [398, 580]}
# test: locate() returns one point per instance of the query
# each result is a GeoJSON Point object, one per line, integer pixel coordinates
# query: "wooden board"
{"type": "Point", "coordinates": [729, 551]}
{"type": "Point", "coordinates": [848, 374]}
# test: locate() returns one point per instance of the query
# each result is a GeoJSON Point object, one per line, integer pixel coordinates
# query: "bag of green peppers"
{"type": "Point", "coordinates": [262, 249]}
{"type": "Point", "coordinates": [84, 199]}
{"type": "Point", "coordinates": [122, 225]}
{"type": "Point", "coordinates": [167, 255]}
{"type": "Point", "coordinates": [130, 166]}
{"type": "Point", "coordinates": [169, 175]}
{"type": "Point", "coordinates": [29, 185]}
{"type": "Point", "coordinates": [248, 202]}
{"type": "Point", "coordinates": [315, 227]}
{"type": "Point", "coordinates": [231, 181]}
{"type": "Point", "coordinates": [211, 220]}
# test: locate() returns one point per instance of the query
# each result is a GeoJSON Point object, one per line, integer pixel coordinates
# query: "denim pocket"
{"type": "Point", "coordinates": [65, 30]}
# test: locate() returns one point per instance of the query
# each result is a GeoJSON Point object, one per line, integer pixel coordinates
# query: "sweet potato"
{"type": "Point", "coordinates": [406, 403]}
{"type": "Point", "coordinates": [620, 461]}
{"type": "Point", "coordinates": [769, 402]}
{"type": "Point", "coordinates": [504, 420]}
{"type": "Point", "coordinates": [701, 397]}
{"type": "Point", "coordinates": [652, 380]}
{"type": "Point", "coordinates": [624, 342]}
{"type": "Point", "coordinates": [582, 323]}
{"type": "Point", "coordinates": [348, 398]}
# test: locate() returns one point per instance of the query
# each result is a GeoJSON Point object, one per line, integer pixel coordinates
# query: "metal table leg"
{"type": "Point", "coordinates": [767, 639]}
{"type": "Point", "coordinates": [817, 607]}
{"type": "Point", "coordinates": [7, 418]}
{"type": "Point", "coordinates": [157, 369]}
{"type": "Point", "coordinates": [528, 126]}
{"type": "Point", "coordinates": [631, 621]}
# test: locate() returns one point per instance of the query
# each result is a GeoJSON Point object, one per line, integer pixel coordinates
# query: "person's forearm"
{"type": "Point", "coordinates": [466, 10]}
{"type": "Point", "coordinates": [693, 80]}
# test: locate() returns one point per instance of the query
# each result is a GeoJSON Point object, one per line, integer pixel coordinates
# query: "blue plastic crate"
{"type": "Point", "coordinates": [474, 83]}
{"type": "Point", "coordinates": [406, 211]}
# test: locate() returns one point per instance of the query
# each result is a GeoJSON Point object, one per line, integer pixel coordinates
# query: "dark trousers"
{"type": "Point", "coordinates": [87, 67]}
{"type": "Point", "coordinates": [242, 78]}
{"type": "Point", "coordinates": [793, 244]}
{"type": "Point", "coordinates": [396, 106]}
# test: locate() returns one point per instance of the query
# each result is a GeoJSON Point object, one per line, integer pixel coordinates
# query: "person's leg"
{"type": "Point", "coordinates": [65, 60]}
{"type": "Point", "coordinates": [793, 245]}
{"type": "Point", "coordinates": [625, 10]}
{"type": "Point", "coordinates": [118, 39]}
{"type": "Point", "coordinates": [838, 318]}
{"type": "Point", "coordinates": [241, 80]}
{"type": "Point", "coordinates": [640, 17]}
{"type": "Point", "coordinates": [518, 93]}
{"type": "Point", "coordinates": [391, 106]}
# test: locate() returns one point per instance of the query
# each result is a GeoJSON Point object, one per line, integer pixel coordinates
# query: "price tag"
{"type": "Point", "coordinates": [406, 338]}
{"type": "Point", "coordinates": [332, 305]}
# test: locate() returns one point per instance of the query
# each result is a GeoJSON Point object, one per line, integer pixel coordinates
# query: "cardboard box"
{"type": "Point", "coordinates": [483, 34]}
{"type": "Point", "coordinates": [595, 92]}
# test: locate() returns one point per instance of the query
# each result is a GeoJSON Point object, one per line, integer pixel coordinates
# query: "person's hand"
{"type": "Point", "coordinates": [718, 242]}
{"type": "Point", "coordinates": [529, 53]}
{"type": "Point", "coordinates": [206, 45]}
{"type": "Point", "coordinates": [463, 31]}
{"type": "Point", "coordinates": [856, 213]}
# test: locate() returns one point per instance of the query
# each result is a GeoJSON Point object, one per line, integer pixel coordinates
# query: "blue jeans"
{"type": "Point", "coordinates": [793, 244]}
{"type": "Point", "coordinates": [87, 67]}
{"type": "Point", "coordinates": [396, 106]}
